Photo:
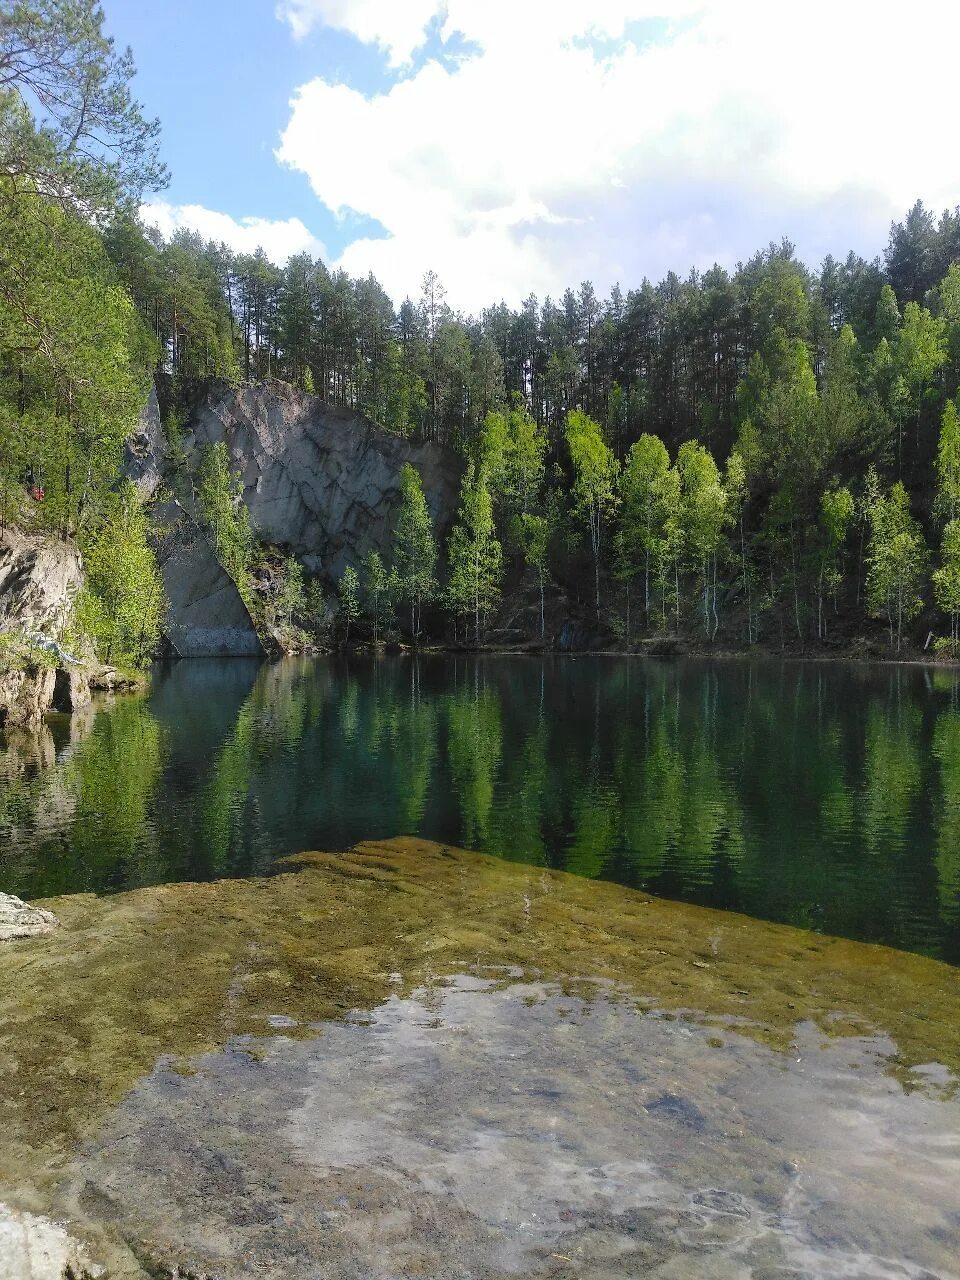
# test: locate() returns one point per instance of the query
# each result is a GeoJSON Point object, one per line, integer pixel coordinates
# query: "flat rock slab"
{"type": "Point", "coordinates": [19, 920]}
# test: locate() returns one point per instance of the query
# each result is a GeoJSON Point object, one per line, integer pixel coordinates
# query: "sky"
{"type": "Point", "coordinates": [521, 146]}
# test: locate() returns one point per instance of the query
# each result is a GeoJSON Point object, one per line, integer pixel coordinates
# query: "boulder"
{"type": "Point", "coordinates": [323, 481]}
{"type": "Point", "coordinates": [39, 581]}
{"type": "Point", "coordinates": [206, 615]}
{"type": "Point", "coordinates": [19, 920]}
{"type": "Point", "coordinates": [71, 689]}
{"type": "Point", "coordinates": [26, 693]}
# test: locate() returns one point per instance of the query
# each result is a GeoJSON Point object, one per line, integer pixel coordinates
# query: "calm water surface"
{"type": "Point", "coordinates": [826, 796]}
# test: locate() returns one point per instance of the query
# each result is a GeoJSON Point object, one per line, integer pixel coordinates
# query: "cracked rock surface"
{"type": "Point", "coordinates": [322, 481]}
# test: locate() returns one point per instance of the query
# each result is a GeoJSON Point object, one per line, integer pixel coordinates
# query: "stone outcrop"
{"type": "Point", "coordinates": [39, 581]}
{"type": "Point", "coordinates": [71, 690]}
{"type": "Point", "coordinates": [19, 920]}
{"type": "Point", "coordinates": [26, 693]}
{"type": "Point", "coordinates": [323, 481]}
{"type": "Point", "coordinates": [145, 450]}
{"type": "Point", "coordinates": [206, 616]}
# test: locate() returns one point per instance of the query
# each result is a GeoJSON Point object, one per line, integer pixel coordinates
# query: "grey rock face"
{"type": "Point", "coordinates": [206, 616]}
{"type": "Point", "coordinates": [25, 695]}
{"type": "Point", "coordinates": [143, 455]}
{"type": "Point", "coordinates": [18, 920]}
{"type": "Point", "coordinates": [71, 690]}
{"type": "Point", "coordinates": [323, 481]}
{"type": "Point", "coordinates": [39, 581]}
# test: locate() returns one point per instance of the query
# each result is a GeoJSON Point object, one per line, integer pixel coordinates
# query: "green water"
{"type": "Point", "coordinates": [824, 795]}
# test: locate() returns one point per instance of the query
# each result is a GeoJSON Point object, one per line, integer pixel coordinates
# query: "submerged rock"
{"type": "Point", "coordinates": [409, 1059]}
{"type": "Point", "coordinates": [19, 920]}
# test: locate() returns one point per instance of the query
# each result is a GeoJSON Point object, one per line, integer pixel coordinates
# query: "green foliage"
{"type": "Point", "coordinates": [948, 463]}
{"type": "Point", "coordinates": [946, 580]}
{"type": "Point", "coordinates": [122, 605]}
{"type": "Point", "coordinates": [377, 587]}
{"type": "Point", "coordinates": [474, 553]}
{"type": "Point", "coordinates": [896, 558]}
{"type": "Point", "coordinates": [414, 548]}
{"type": "Point", "coordinates": [837, 511]}
{"type": "Point", "coordinates": [595, 475]}
{"type": "Point", "coordinates": [69, 125]}
{"type": "Point", "coordinates": [224, 514]}
{"type": "Point", "coordinates": [291, 596]}
{"type": "Point", "coordinates": [535, 533]}
{"type": "Point", "coordinates": [348, 596]}
{"type": "Point", "coordinates": [72, 376]}
{"type": "Point", "coordinates": [703, 517]}
{"type": "Point", "coordinates": [512, 450]}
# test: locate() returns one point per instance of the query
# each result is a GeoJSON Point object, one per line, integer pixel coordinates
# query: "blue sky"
{"type": "Point", "coordinates": [523, 145]}
{"type": "Point", "coordinates": [220, 75]}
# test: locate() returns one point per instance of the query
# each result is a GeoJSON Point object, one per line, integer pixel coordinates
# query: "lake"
{"type": "Point", "coordinates": [821, 795]}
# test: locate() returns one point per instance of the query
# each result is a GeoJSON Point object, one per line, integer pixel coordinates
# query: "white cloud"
{"type": "Point", "coordinates": [279, 239]}
{"type": "Point", "coordinates": [398, 27]}
{"type": "Point", "coordinates": [564, 141]}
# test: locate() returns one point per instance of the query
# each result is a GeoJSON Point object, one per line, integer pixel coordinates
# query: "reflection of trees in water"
{"type": "Point", "coordinates": [946, 748]}
{"type": "Point", "coordinates": [827, 797]}
{"type": "Point", "coordinates": [474, 743]}
{"type": "Point", "coordinates": [891, 774]}
{"type": "Point", "coordinates": [81, 816]}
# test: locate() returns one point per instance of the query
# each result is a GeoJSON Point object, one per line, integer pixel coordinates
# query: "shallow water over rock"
{"type": "Point", "coordinates": [410, 1060]}
{"type": "Point", "coordinates": [494, 1126]}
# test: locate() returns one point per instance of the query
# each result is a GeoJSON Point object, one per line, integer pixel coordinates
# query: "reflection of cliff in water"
{"type": "Point", "coordinates": [827, 796]}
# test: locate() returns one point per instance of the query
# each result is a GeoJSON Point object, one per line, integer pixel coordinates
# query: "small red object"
{"type": "Point", "coordinates": [37, 493]}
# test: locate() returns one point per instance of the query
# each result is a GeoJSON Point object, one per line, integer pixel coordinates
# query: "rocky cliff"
{"type": "Point", "coordinates": [206, 616]}
{"type": "Point", "coordinates": [322, 481]}
{"type": "Point", "coordinates": [39, 581]}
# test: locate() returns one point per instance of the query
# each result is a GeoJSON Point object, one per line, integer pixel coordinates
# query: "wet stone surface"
{"type": "Point", "coordinates": [488, 1125]}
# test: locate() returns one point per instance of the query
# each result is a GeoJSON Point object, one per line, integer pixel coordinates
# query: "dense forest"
{"type": "Point", "coordinates": [765, 455]}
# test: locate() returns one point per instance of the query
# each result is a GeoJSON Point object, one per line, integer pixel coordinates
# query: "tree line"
{"type": "Point", "coordinates": [762, 454]}
{"type": "Point", "coordinates": [773, 440]}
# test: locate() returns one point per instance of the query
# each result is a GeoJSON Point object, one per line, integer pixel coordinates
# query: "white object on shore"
{"type": "Point", "coordinates": [19, 920]}
{"type": "Point", "coordinates": [35, 1248]}
{"type": "Point", "coordinates": [54, 647]}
